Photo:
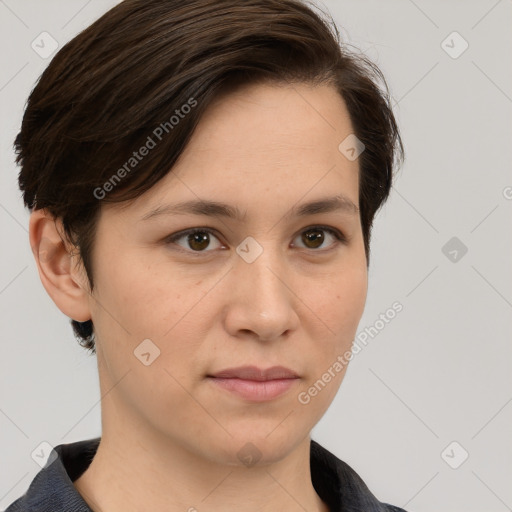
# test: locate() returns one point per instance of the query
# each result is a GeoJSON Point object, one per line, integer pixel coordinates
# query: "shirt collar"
{"type": "Point", "coordinates": [52, 489]}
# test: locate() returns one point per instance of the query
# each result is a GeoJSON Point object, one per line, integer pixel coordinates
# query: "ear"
{"type": "Point", "coordinates": [60, 270]}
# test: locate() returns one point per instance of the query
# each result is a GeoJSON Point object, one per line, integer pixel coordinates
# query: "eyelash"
{"type": "Point", "coordinates": [338, 235]}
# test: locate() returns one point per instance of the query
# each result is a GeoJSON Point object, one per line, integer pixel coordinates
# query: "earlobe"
{"type": "Point", "coordinates": [56, 261]}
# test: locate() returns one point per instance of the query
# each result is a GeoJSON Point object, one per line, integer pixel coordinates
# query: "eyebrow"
{"type": "Point", "coordinates": [216, 209]}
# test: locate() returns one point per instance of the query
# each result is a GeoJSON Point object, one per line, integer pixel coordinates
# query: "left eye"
{"type": "Point", "coordinates": [315, 236]}
{"type": "Point", "coordinates": [198, 239]}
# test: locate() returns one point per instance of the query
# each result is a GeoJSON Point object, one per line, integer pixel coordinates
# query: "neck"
{"type": "Point", "coordinates": [134, 469]}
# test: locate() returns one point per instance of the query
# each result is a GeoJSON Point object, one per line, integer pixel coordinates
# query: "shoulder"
{"type": "Point", "coordinates": [340, 486]}
{"type": "Point", "coordinates": [52, 488]}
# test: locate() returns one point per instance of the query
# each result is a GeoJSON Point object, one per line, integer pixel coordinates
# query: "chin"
{"type": "Point", "coordinates": [258, 448]}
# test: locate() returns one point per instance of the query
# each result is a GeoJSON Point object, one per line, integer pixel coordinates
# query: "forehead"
{"type": "Point", "coordinates": [261, 144]}
{"type": "Point", "coordinates": [268, 116]}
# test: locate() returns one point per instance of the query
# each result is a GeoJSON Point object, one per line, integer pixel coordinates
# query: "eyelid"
{"type": "Point", "coordinates": [336, 233]}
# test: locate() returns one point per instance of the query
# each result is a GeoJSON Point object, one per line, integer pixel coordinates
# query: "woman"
{"type": "Point", "coordinates": [202, 178]}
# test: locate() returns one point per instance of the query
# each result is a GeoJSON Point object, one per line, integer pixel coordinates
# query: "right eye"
{"type": "Point", "coordinates": [197, 240]}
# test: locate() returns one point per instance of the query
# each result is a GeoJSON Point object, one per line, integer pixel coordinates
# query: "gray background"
{"type": "Point", "coordinates": [439, 371]}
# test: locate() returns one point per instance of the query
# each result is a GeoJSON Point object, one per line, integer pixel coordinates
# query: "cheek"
{"type": "Point", "coordinates": [340, 301]}
{"type": "Point", "coordinates": [146, 300]}
{"type": "Point", "coordinates": [154, 302]}
{"type": "Point", "coordinates": [340, 306]}
{"type": "Point", "coordinates": [135, 304]}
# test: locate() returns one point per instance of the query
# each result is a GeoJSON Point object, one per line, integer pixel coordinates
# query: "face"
{"type": "Point", "coordinates": [276, 284]}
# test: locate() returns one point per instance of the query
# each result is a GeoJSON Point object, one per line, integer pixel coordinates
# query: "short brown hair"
{"type": "Point", "coordinates": [139, 64]}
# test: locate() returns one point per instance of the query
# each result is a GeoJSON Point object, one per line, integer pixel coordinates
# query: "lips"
{"type": "Point", "coordinates": [254, 384]}
{"type": "Point", "coordinates": [255, 373]}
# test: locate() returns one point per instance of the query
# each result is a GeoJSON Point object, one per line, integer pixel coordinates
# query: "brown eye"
{"type": "Point", "coordinates": [315, 237]}
{"type": "Point", "coordinates": [196, 240]}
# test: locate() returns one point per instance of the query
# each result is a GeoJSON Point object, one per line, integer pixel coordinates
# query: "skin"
{"type": "Point", "coordinates": [170, 437]}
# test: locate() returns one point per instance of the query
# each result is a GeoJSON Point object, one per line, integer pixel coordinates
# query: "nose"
{"type": "Point", "coordinates": [261, 301]}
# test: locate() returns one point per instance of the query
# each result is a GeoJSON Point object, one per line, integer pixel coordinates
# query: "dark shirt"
{"type": "Point", "coordinates": [52, 489]}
